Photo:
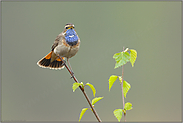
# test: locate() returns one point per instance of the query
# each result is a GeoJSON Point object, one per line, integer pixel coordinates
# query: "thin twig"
{"type": "Point", "coordinates": [82, 89]}
{"type": "Point", "coordinates": [122, 90]}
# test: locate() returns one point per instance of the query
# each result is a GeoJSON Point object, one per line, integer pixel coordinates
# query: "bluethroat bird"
{"type": "Point", "coordinates": [66, 45]}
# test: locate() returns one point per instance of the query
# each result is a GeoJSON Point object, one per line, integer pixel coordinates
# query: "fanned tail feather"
{"type": "Point", "coordinates": [46, 62]}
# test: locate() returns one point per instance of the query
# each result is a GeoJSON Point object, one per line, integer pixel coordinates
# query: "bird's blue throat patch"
{"type": "Point", "coordinates": [71, 37]}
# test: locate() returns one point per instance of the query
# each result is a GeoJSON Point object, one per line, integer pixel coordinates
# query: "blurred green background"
{"type": "Point", "coordinates": [31, 93]}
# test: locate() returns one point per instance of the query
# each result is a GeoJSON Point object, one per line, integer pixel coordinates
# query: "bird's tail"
{"type": "Point", "coordinates": [45, 62]}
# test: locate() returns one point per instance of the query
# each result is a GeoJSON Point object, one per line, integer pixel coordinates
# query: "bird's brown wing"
{"type": "Point", "coordinates": [57, 40]}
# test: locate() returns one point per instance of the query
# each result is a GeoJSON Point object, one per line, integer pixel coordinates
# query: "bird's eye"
{"type": "Point", "coordinates": [66, 27]}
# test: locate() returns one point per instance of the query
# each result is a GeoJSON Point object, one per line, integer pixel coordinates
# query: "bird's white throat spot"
{"type": "Point", "coordinates": [71, 36]}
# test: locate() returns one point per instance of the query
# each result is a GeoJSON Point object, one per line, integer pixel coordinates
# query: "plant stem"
{"type": "Point", "coordinates": [122, 90]}
{"type": "Point", "coordinates": [123, 93]}
{"type": "Point", "coordinates": [82, 89]}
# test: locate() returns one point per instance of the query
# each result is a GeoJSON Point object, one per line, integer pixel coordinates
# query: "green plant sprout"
{"type": "Point", "coordinates": [121, 58]}
{"type": "Point", "coordinates": [127, 55]}
{"type": "Point", "coordinates": [81, 86]}
{"type": "Point", "coordinates": [76, 85]}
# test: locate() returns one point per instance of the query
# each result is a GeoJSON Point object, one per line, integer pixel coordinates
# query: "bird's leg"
{"type": "Point", "coordinates": [62, 59]}
{"type": "Point", "coordinates": [70, 67]}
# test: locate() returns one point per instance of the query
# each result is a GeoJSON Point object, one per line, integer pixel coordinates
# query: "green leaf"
{"type": "Point", "coordinates": [76, 85]}
{"type": "Point", "coordinates": [126, 87]}
{"type": "Point", "coordinates": [96, 100]}
{"type": "Point", "coordinates": [118, 114]}
{"type": "Point", "coordinates": [128, 106]}
{"type": "Point", "coordinates": [117, 56]}
{"type": "Point", "coordinates": [133, 56]}
{"type": "Point", "coordinates": [112, 79]}
{"type": "Point", "coordinates": [121, 58]}
{"type": "Point", "coordinates": [82, 113]}
{"type": "Point", "coordinates": [92, 88]}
